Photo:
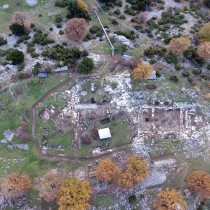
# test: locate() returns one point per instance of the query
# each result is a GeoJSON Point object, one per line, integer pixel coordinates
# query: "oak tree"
{"type": "Point", "coordinates": [76, 29]}
{"type": "Point", "coordinates": [179, 45]}
{"type": "Point", "coordinates": [203, 50]}
{"type": "Point", "coordinates": [15, 185]}
{"type": "Point", "coordinates": [199, 181]}
{"type": "Point", "coordinates": [50, 186]}
{"type": "Point", "coordinates": [105, 170]}
{"type": "Point", "coordinates": [169, 200]}
{"type": "Point", "coordinates": [74, 195]}
{"type": "Point", "coordinates": [142, 71]}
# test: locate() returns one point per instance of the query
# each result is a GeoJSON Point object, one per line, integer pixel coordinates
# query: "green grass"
{"type": "Point", "coordinates": [43, 8]}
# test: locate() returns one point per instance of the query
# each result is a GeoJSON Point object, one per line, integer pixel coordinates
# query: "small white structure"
{"type": "Point", "coordinates": [104, 133]}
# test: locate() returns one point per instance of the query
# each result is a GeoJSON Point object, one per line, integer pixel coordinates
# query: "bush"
{"type": "Point", "coordinates": [86, 66]}
{"type": "Point", "coordinates": [174, 78]}
{"type": "Point", "coordinates": [208, 66]}
{"type": "Point", "coordinates": [158, 73]}
{"type": "Point", "coordinates": [42, 39]}
{"type": "Point", "coordinates": [2, 41]}
{"type": "Point", "coordinates": [132, 199]}
{"type": "Point", "coordinates": [171, 58]}
{"type": "Point", "coordinates": [64, 54]}
{"type": "Point", "coordinates": [61, 32]}
{"type": "Point", "coordinates": [190, 80]}
{"type": "Point", "coordinates": [186, 73]}
{"type": "Point", "coordinates": [15, 56]}
{"type": "Point", "coordinates": [197, 71]}
{"type": "Point", "coordinates": [128, 34]}
{"type": "Point", "coordinates": [17, 29]}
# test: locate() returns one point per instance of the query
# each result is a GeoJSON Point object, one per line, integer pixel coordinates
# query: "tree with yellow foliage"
{"type": "Point", "coordinates": [135, 172]}
{"type": "Point", "coordinates": [15, 185]}
{"type": "Point", "coordinates": [142, 71]}
{"type": "Point", "coordinates": [105, 170]}
{"type": "Point", "coordinates": [125, 179]}
{"type": "Point", "coordinates": [199, 181]}
{"type": "Point", "coordinates": [179, 45]}
{"type": "Point", "coordinates": [169, 200]}
{"type": "Point", "coordinates": [138, 168]}
{"type": "Point", "coordinates": [203, 50]}
{"type": "Point", "coordinates": [204, 33]}
{"type": "Point", "coordinates": [74, 195]}
{"type": "Point", "coordinates": [81, 4]}
{"type": "Point", "coordinates": [50, 186]}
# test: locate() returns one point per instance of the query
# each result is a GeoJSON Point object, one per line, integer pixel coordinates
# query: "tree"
{"type": "Point", "coordinates": [135, 172]}
{"type": "Point", "coordinates": [76, 29]}
{"type": "Point", "coordinates": [204, 33]}
{"type": "Point", "coordinates": [142, 71]}
{"type": "Point", "coordinates": [81, 4]}
{"type": "Point", "coordinates": [199, 181]}
{"type": "Point", "coordinates": [50, 186]}
{"type": "Point", "coordinates": [125, 179]}
{"type": "Point", "coordinates": [141, 18]}
{"type": "Point", "coordinates": [203, 50]}
{"type": "Point", "coordinates": [138, 168]}
{"type": "Point", "coordinates": [74, 195]}
{"type": "Point", "coordinates": [169, 200]}
{"type": "Point", "coordinates": [20, 24]}
{"type": "Point", "coordinates": [15, 56]}
{"type": "Point", "coordinates": [105, 170]}
{"type": "Point", "coordinates": [179, 45]}
{"type": "Point", "coordinates": [76, 10]}
{"type": "Point", "coordinates": [86, 66]}
{"type": "Point", "coordinates": [15, 186]}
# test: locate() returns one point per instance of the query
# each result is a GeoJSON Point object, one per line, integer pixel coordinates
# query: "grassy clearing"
{"type": "Point", "coordinates": [38, 14]}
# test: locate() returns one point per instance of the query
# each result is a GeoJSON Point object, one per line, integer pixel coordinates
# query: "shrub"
{"type": "Point", "coordinates": [186, 73]}
{"type": "Point", "coordinates": [190, 80]}
{"type": "Point", "coordinates": [208, 66]}
{"type": "Point", "coordinates": [42, 39]}
{"type": "Point", "coordinates": [2, 41]}
{"type": "Point", "coordinates": [86, 66]}
{"type": "Point", "coordinates": [174, 78]}
{"type": "Point", "coordinates": [62, 3]}
{"type": "Point", "coordinates": [132, 199]}
{"type": "Point", "coordinates": [61, 32]}
{"type": "Point", "coordinates": [197, 71]}
{"type": "Point", "coordinates": [17, 29]}
{"type": "Point", "coordinates": [15, 56]}
{"type": "Point", "coordinates": [128, 34]}
{"type": "Point", "coordinates": [158, 73]}
{"type": "Point", "coordinates": [171, 58]}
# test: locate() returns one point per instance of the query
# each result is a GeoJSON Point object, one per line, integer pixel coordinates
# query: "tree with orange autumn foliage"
{"type": "Point", "coordinates": [199, 181]}
{"type": "Point", "coordinates": [179, 45]}
{"type": "Point", "coordinates": [203, 50]}
{"type": "Point", "coordinates": [125, 179]}
{"type": "Point", "coordinates": [15, 185]}
{"type": "Point", "coordinates": [169, 200]}
{"type": "Point", "coordinates": [138, 168]}
{"type": "Point", "coordinates": [76, 29]}
{"type": "Point", "coordinates": [74, 195]}
{"type": "Point", "coordinates": [105, 170]}
{"type": "Point", "coordinates": [50, 186]}
{"type": "Point", "coordinates": [142, 71]}
{"type": "Point", "coordinates": [135, 172]}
